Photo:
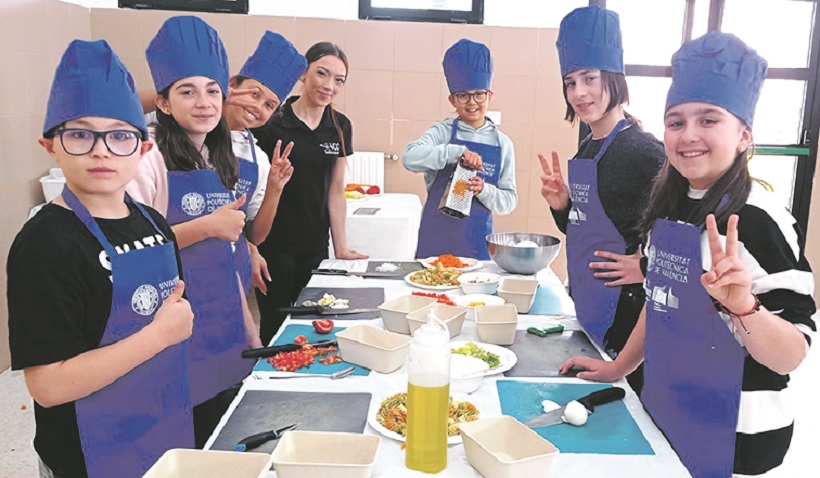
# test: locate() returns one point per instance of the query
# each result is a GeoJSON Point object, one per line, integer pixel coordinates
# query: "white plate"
{"type": "Point", "coordinates": [429, 287]}
{"type": "Point", "coordinates": [374, 423]}
{"type": "Point", "coordinates": [507, 356]}
{"type": "Point", "coordinates": [472, 264]}
{"type": "Point", "coordinates": [464, 301]}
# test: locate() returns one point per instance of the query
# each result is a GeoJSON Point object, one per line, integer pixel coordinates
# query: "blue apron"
{"type": "Point", "coordinates": [126, 426]}
{"type": "Point", "coordinates": [693, 366]}
{"type": "Point", "coordinates": [248, 180]}
{"type": "Point", "coordinates": [589, 230]}
{"type": "Point", "coordinates": [209, 268]}
{"type": "Point", "coordinates": [440, 233]}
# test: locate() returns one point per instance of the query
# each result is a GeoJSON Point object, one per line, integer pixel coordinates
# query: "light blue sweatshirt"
{"type": "Point", "coordinates": [433, 151]}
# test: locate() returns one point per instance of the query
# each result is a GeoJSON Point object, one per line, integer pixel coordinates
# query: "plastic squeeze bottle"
{"type": "Point", "coordinates": [428, 397]}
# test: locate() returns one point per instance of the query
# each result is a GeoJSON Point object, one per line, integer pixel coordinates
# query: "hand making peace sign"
{"type": "Point", "coordinates": [553, 187]}
{"type": "Point", "coordinates": [728, 281]}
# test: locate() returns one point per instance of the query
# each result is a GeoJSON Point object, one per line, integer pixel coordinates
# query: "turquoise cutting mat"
{"type": "Point", "coordinates": [609, 430]}
{"type": "Point", "coordinates": [546, 302]}
{"type": "Point", "coordinates": [290, 333]}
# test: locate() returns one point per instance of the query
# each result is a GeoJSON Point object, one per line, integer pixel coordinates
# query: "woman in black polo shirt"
{"type": "Point", "coordinates": [313, 202]}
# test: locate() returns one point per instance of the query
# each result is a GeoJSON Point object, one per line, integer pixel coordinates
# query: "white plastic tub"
{"type": "Point", "coordinates": [183, 463]}
{"type": "Point", "coordinates": [503, 447]}
{"type": "Point", "coordinates": [373, 348]}
{"type": "Point", "coordinates": [307, 454]}
{"type": "Point", "coordinates": [394, 312]}
{"type": "Point", "coordinates": [518, 291]}
{"type": "Point", "coordinates": [496, 324]}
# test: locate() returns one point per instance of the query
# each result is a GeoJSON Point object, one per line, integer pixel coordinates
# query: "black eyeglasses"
{"type": "Point", "coordinates": [78, 141]}
{"type": "Point", "coordinates": [464, 97]}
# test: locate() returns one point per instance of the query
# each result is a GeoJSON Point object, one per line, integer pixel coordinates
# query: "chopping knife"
{"type": "Point", "coordinates": [319, 310]}
{"type": "Point", "coordinates": [342, 272]}
{"type": "Point", "coordinates": [589, 402]}
{"type": "Point", "coordinates": [265, 352]}
{"type": "Point", "coordinates": [253, 441]}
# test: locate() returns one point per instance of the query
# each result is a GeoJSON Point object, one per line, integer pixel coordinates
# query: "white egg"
{"type": "Point", "coordinates": [549, 405]}
{"type": "Point", "coordinates": [527, 244]}
{"type": "Point", "coordinates": [575, 413]}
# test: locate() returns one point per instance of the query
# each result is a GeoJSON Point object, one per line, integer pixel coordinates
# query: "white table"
{"type": "Point", "coordinates": [391, 233]}
{"type": "Point", "coordinates": [390, 461]}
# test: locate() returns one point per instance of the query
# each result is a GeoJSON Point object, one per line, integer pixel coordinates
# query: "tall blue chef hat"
{"type": "Point", "coordinates": [186, 46]}
{"type": "Point", "coordinates": [92, 81]}
{"type": "Point", "coordinates": [590, 37]}
{"type": "Point", "coordinates": [468, 66]}
{"type": "Point", "coordinates": [718, 68]}
{"type": "Point", "coordinates": [276, 64]}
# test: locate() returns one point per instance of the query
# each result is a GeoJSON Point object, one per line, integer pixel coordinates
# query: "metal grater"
{"type": "Point", "coordinates": [453, 203]}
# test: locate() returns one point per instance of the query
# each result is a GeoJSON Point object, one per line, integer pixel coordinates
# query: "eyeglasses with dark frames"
{"type": "Point", "coordinates": [80, 141]}
{"type": "Point", "coordinates": [462, 97]}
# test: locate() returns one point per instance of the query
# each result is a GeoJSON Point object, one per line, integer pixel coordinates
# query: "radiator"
{"type": "Point", "coordinates": [365, 168]}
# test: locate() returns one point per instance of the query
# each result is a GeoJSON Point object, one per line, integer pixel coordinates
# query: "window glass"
{"type": "Point", "coordinates": [778, 172]}
{"type": "Point", "coordinates": [780, 30]}
{"type": "Point", "coordinates": [779, 113]}
{"type": "Point", "coordinates": [529, 13]}
{"type": "Point", "coordinates": [652, 30]}
{"type": "Point", "coordinates": [647, 99]}
{"type": "Point", "coordinates": [700, 19]}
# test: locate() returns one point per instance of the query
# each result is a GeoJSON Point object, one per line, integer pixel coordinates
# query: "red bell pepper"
{"type": "Point", "coordinates": [324, 326]}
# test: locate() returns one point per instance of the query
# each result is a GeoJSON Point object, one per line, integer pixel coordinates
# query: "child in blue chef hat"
{"type": "Point", "coordinates": [96, 313]}
{"type": "Point", "coordinates": [729, 291]}
{"type": "Point", "coordinates": [473, 139]}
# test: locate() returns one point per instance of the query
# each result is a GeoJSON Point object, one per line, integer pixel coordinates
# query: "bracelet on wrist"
{"type": "Point", "coordinates": [739, 317]}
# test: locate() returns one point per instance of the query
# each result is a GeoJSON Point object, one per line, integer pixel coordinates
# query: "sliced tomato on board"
{"type": "Point", "coordinates": [324, 326]}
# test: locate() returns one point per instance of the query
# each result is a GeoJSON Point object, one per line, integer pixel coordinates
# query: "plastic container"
{"type": "Point", "coordinates": [503, 447]}
{"type": "Point", "coordinates": [466, 373]}
{"type": "Point", "coordinates": [308, 454]}
{"type": "Point", "coordinates": [183, 463]}
{"type": "Point", "coordinates": [52, 187]}
{"type": "Point", "coordinates": [428, 397]}
{"type": "Point", "coordinates": [394, 312]}
{"type": "Point", "coordinates": [453, 317]}
{"type": "Point", "coordinates": [519, 291]}
{"type": "Point", "coordinates": [479, 282]}
{"type": "Point", "coordinates": [496, 323]}
{"type": "Point", "coordinates": [480, 299]}
{"type": "Point", "coordinates": [373, 348]}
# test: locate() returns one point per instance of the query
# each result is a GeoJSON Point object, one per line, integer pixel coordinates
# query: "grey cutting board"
{"type": "Point", "coordinates": [359, 297]}
{"type": "Point", "coordinates": [405, 267]}
{"type": "Point", "coordinates": [541, 356]}
{"type": "Point", "coordinates": [263, 410]}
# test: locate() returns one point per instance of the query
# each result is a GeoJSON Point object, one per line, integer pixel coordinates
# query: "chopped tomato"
{"type": "Point", "coordinates": [330, 359]}
{"type": "Point", "coordinates": [290, 361]}
{"type": "Point", "coordinates": [373, 190]}
{"type": "Point", "coordinates": [442, 298]}
{"type": "Point", "coordinates": [324, 326]}
{"type": "Point", "coordinates": [300, 340]}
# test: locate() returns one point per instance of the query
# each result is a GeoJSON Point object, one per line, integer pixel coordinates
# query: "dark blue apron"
{"type": "Point", "coordinates": [693, 366]}
{"type": "Point", "coordinates": [126, 426]}
{"type": "Point", "coordinates": [589, 230]}
{"type": "Point", "coordinates": [440, 233]}
{"type": "Point", "coordinates": [209, 268]}
{"type": "Point", "coordinates": [248, 180]}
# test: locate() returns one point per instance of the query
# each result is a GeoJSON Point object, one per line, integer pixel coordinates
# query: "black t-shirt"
{"type": "Point", "coordinates": [625, 175]}
{"type": "Point", "coordinates": [59, 300]}
{"type": "Point", "coordinates": [302, 220]}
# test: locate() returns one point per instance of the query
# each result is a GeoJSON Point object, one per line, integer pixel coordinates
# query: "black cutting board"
{"type": "Point", "coordinates": [405, 267]}
{"type": "Point", "coordinates": [359, 297]}
{"type": "Point", "coordinates": [542, 356]}
{"type": "Point", "coordinates": [263, 410]}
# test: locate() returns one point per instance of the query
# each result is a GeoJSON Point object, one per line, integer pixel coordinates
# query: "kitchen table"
{"type": "Point", "coordinates": [390, 460]}
{"type": "Point", "coordinates": [384, 226]}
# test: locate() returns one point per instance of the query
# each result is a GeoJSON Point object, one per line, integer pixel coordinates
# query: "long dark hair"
{"type": "Point", "coordinates": [180, 154]}
{"type": "Point", "coordinates": [670, 186]}
{"type": "Point", "coordinates": [614, 83]}
{"type": "Point", "coordinates": [316, 52]}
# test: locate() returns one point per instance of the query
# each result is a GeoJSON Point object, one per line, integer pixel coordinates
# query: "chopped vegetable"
{"type": "Point", "coordinates": [439, 276]}
{"type": "Point", "coordinates": [373, 190]}
{"type": "Point", "coordinates": [330, 359]}
{"type": "Point", "coordinates": [300, 340]}
{"type": "Point", "coordinates": [323, 326]}
{"type": "Point", "coordinates": [461, 187]}
{"type": "Point", "coordinates": [477, 303]}
{"type": "Point", "coordinates": [442, 298]}
{"type": "Point", "coordinates": [304, 357]}
{"type": "Point", "coordinates": [449, 260]}
{"type": "Point", "coordinates": [473, 350]}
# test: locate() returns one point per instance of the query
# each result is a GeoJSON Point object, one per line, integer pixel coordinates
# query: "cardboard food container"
{"type": "Point", "coordinates": [503, 447]}
{"type": "Point", "coordinates": [184, 463]}
{"type": "Point", "coordinates": [496, 323]}
{"type": "Point", "coordinates": [394, 312]}
{"type": "Point", "coordinates": [308, 454]}
{"type": "Point", "coordinates": [518, 291]}
{"type": "Point", "coordinates": [453, 317]}
{"type": "Point", "coordinates": [373, 348]}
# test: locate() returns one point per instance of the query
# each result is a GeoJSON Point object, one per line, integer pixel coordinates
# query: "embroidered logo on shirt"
{"type": "Point", "coordinates": [193, 204]}
{"type": "Point", "coordinates": [145, 300]}
{"type": "Point", "coordinates": [331, 148]}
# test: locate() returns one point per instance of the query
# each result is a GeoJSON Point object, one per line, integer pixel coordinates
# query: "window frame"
{"type": "Point", "coordinates": [475, 16]}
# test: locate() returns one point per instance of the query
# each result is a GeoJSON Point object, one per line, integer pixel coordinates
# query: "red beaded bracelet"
{"type": "Point", "coordinates": [739, 317]}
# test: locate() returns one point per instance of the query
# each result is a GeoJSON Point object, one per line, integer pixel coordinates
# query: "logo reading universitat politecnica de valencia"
{"type": "Point", "coordinates": [145, 299]}
{"type": "Point", "coordinates": [193, 204]}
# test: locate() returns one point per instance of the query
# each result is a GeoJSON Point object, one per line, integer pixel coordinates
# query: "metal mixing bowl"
{"type": "Point", "coordinates": [522, 260]}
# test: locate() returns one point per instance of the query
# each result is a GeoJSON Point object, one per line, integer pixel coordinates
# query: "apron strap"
{"type": "Point", "coordinates": [82, 213]}
{"type": "Point", "coordinates": [609, 139]}
{"type": "Point", "coordinates": [252, 144]}
{"type": "Point", "coordinates": [145, 214]}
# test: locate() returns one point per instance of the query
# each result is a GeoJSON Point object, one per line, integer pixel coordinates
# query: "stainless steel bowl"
{"type": "Point", "coordinates": [522, 260]}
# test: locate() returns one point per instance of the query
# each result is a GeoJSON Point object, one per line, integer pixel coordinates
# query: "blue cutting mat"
{"type": "Point", "coordinates": [609, 430]}
{"type": "Point", "coordinates": [546, 302]}
{"type": "Point", "coordinates": [290, 333]}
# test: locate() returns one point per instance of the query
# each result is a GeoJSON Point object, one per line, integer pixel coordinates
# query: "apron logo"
{"type": "Point", "coordinates": [650, 259]}
{"type": "Point", "coordinates": [661, 298]}
{"type": "Point", "coordinates": [193, 204]}
{"type": "Point", "coordinates": [576, 215]}
{"type": "Point", "coordinates": [330, 148]}
{"type": "Point", "coordinates": [145, 300]}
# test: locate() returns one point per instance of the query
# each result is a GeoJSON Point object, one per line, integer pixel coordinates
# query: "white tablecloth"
{"type": "Point", "coordinates": [391, 233]}
{"type": "Point", "coordinates": [390, 460]}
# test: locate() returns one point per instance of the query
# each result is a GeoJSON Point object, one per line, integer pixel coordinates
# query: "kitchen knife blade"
{"type": "Point", "coordinates": [254, 441]}
{"type": "Point", "coordinates": [342, 272]}
{"type": "Point", "coordinates": [319, 310]}
{"type": "Point", "coordinates": [265, 352]}
{"type": "Point", "coordinates": [589, 402]}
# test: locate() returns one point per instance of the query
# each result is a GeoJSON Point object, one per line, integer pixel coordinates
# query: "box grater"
{"type": "Point", "coordinates": [458, 199]}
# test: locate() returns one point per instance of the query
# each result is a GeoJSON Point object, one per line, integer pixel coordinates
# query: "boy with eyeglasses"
{"type": "Point", "coordinates": [96, 312]}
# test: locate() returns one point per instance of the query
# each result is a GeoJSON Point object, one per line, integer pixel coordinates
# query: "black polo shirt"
{"type": "Point", "coordinates": [302, 223]}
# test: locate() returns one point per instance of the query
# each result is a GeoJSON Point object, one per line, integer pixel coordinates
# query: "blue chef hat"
{"type": "Point", "coordinates": [468, 66]}
{"type": "Point", "coordinates": [276, 64]}
{"type": "Point", "coordinates": [590, 37]}
{"type": "Point", "coordinates": [186, 46]}
{"type": "Point", "coordinates": [718, 68]}
{"type": "Point", "coordinates": [92, 81]}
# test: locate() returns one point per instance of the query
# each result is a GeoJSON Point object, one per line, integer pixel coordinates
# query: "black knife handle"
{"type": "Point", "coordinates": [329, 272]}
{"type": "Point", "coordinates": [305, 310]}
{"type": "Point", "coordinates": [601, 397]}
{"type": "Point", "coordinates": [254, 441]}
{"type": "Point", "coordinates": [266, 352]}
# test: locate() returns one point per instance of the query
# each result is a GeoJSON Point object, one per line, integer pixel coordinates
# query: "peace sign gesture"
{"type": "Point", "coordinates": [728, 281]}
{"type": "Point", "coordinates": [553, 187]}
